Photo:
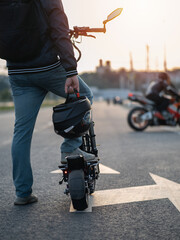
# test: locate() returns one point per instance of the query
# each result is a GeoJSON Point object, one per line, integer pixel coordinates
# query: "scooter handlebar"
{"type": "Point", "coordinates": [97, 30]}
{"type": "Point", "coordinates": [84, 30]}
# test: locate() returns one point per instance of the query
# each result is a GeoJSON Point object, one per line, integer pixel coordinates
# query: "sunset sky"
{"type": "Point", "coordinates": [142, 22]}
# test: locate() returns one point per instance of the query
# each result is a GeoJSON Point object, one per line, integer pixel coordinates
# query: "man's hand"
{"type": "Point", "coordinates": [71, 84]}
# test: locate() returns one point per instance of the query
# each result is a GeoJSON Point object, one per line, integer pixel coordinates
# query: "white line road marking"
{"type": "Point", "coordinates": [103, 170]}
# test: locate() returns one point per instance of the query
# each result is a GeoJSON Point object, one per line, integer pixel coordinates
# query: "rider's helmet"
{"type": "Point", "coordinates": [72, 118]}
{"type": "Point", "coordinates": [163, 76]}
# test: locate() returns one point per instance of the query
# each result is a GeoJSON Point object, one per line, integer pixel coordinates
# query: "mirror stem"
{"type": "Point", "coordinates": [104, 26]}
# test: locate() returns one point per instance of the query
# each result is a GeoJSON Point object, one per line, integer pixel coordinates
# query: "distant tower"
{"type": "Point", "coordinates": [131, 62]}
{"type": "Point", "coordinates": [100, 69]}
{"type": "Point", "coordinates": [100, 63]}
{"type": "Point", "coordinates": [108, 66]}
{"type": "Point", "coordinates": [165, 62]}
{"type": "Point", "coordinates": [147, 59]}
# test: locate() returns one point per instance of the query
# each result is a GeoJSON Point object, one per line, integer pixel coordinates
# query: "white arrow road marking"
{"type": "Point", "coordinates": [164, 188]}
{"type": "Point", "coordinates": [107, 170]}
{"type": "Point", "coordinates": [171, 188]}
{"type": "Point", "coordinates": [103, 170]}
{"type": "Point", "coordinates": [57, 171]}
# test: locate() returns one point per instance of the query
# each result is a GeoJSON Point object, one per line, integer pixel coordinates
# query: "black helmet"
{"type": "Point", "coordinates": [72, 118]}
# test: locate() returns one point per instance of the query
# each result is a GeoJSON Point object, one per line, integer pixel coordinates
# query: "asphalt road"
{"type": "Point", "coordinates": [135, 155]}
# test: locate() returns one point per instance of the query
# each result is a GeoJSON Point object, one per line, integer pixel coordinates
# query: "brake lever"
{"type": "Point", "coordinates": [86, 35]}
{"type": "Point", "coordinates": [90, 36]}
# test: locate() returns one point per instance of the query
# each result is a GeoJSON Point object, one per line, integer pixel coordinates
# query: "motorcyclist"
{"type": "Point", "coordinates": [156, 90]}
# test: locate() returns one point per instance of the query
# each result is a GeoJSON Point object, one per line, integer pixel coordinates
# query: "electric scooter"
{"type": "Point", "coordinates": [79, 175]}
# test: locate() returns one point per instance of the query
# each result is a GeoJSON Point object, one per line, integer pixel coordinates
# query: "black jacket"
{"type": "Point", "coordinates": [58, 47]}
{"type": "Point", "coordinates": [156, 87]}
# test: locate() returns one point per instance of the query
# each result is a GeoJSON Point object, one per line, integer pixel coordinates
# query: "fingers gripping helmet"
{"type": "Point", "coordinates": [72, 118]}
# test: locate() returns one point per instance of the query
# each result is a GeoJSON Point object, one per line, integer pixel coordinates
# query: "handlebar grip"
{"type": "Point", "coordinates": [80, 30]}
{"type": "Point", "coordinates": [97, 30]}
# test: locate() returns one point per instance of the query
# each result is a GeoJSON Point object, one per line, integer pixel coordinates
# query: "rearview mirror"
{"type": "Point", "coordinates": [113, 15]}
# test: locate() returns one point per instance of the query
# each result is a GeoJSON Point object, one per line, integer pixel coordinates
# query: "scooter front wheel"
{"type": "Point", "coordinates": [77, 190]}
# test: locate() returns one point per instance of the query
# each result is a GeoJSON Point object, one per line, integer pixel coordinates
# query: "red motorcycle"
{"type": "Point", "coordinates": [140, 117]}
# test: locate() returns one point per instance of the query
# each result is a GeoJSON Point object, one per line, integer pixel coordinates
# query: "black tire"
{"type": "Point", "coordinates": [137, 126]}
{"type": "Point", "coordinates": [80, 204]}
{"type": "Point", "coordinates": [77, 190]}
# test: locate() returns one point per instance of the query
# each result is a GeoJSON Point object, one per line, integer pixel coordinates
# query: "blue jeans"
{"type": "Point", "coordinates": [29, 91]}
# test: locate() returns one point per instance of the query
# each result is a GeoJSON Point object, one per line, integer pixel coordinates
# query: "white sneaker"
{"type": "Point", "coordinates": [78, 151]}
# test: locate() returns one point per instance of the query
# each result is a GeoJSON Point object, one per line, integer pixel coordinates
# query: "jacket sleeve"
{"type": "Point", "coordinates": [60, 36]}
{"type": "Point", "coordinates": [172, 90]}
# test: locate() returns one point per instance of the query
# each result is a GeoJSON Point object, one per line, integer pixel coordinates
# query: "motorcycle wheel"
{"type": "Point", "coordinates": [77, 190]}
{"type": "Point", "coordinates": [134, 120]}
